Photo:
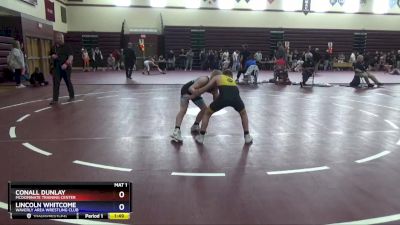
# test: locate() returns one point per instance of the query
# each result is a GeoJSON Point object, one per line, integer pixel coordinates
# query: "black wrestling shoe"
{"type": "Point", "coordinates": [53, 103]}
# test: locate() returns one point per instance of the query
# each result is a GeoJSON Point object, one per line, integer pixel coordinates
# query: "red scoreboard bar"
{"type": "Point", "coordinates": [70, 200]}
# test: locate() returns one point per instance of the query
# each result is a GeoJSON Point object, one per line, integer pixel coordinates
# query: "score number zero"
{"type": "Point", "coordinates": [121, 194]}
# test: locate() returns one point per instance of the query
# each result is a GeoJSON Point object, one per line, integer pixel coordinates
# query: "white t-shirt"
{"type": "Point", "coordinates": [235, 56]}
{"type": "Point", "coordinates": [15, 59]}
{"type": "Point", "coordinates": [258, 56]}
{"type": "Point", "coordinates": [352, 58]}
{"type": "Point", "coordinates": [225, 56]}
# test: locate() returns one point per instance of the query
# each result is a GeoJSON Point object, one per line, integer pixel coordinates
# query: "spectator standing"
{"type": "Point", "coordinates": [171, 60]}
{"type": "Point", "coordinates": [62, 56]}
{"type": "Point", "coordinates": [243, 57]}
{"type": "Point", "coordinates": [203, 59]}
{"type": "Point", "coordinates": [189, 60]}
{"type": "Point", "coordinates": [129, 60]}
{"type": "Point", "coordinates": [86, 60]}
{"type": "Point", "coordinates": [117, 56]}
{"type": "Point", "coordinates": [182, 59]}
{"type": "Point", "coordinates": [235, 61]}
{"type": "Point", "coordinates": [16, 62]}
{"type": "Point", "coordinates": [97, 58]}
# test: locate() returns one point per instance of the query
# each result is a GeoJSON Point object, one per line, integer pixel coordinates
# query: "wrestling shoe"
{"type": "Point", "coordinates": [176, 136]}
{"type": "Point", "coordinates": [248, 139]}
{"type": "Point", "coordinates": [195, 128]}
{"type": "Point", "coordinates": [53, 103]}
{"type": "Point", "coordinates": [199, 138]}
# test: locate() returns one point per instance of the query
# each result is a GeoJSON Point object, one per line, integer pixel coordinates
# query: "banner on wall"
{"type": "Point", "coordinates": [392, 3]}
{"type": "Point", "coordinates": [306, 6]}
{"type": "Point", "coordinates": [341, 2]}
{"type": "Point", "coordinates": [333, 2]}
{"type": "Point", "coordinates": [141, 44]}
{"type": "Point", "coordinates": [330, 47]}
{"type": "Point", "coordinates": [210, 1]}
{"type": "Point", "coordinates": [49, 7]}
{"type": "Point", "coordinates": [32, 2]}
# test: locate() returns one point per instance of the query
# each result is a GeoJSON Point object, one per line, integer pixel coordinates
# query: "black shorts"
{"type": "Point", "coordinates": [197, 101]}
{"type": "Point", "coordinates": [222, 102]}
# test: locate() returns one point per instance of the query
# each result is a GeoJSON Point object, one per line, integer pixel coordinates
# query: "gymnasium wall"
{"type": "Point", "coordinates": [231, 38]}
{"type": "Point", "coordinates": [58, 24]}
{"type": "Point", "coordinates": [366, 7]}
{"type": "Point", "coordinates": [110, 41]}
{"type": "Point", "coordinates": [140, 16]}
{"type": "Point", "coordinates": [228, 29]}
{"type": "Point", "coordinates": [37, 12]}
{"type": "Point", "coordinates": [102, 16]}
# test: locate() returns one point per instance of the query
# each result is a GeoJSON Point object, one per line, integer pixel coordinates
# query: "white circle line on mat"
{"type": "Point", "coordinates": [12, 132]}
{"type": "Point", "coordinates": [108, 96]}
{"type": "Point", "coordinates": [19, 104]}
{"type": "Point", "coordinates": [370, 158]}
{"type": "Point", "coordinates": [368, 113]}
{"type": "Point", "coordinates": [198, 174]}
{"type": "Point", "coordinates": [22, 118]}
{"type": "Point", "coordinates": [378, 131]}
{"type": "Point", "coordinates": [65, 103]}
{"type": "Point", "coordinates": [392, 124]}
{"type": "Point", "coordinates": [36, 149]}
{"type": "Point", "coordinates": [376, 220]}
{"type": "Point", "coordinates": [305, 170]}
{"type": "Point", "coordinates": [343, 106]}
{"type": "Point", "coordinates": [381, 94]}
{"type": "Point", "coordinates": [101, 166]}
{"type": "Point", "coordinates": [368, 103]}
{"type": "Point", "coordinates": [39, 110]}
{"type": "Point", "coordinates": [128, 98]}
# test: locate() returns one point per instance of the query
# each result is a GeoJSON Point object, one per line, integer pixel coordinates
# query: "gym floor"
{"type": "Point", "coordinates": [320, 155]}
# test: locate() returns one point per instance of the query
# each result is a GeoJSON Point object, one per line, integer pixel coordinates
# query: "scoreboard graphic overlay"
{"type": "Point", "coordinates": [66, 200]}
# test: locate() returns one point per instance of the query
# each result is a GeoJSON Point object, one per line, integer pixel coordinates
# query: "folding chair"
{"type": "Point", "coordinates": [251, 75]}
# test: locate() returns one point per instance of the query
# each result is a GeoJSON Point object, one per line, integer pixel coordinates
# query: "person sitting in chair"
{"type": "Point", "coordinates": [281, 73]}
{"type": "Point", "coordinates": [252, 69]}
{"type": "Point", "coordinates": [308, 68]}
{"type": "Point", "coordinates": [250, 63]}
{"type": "Point", "coordinates": [162, 63]}
{"type": "Point", "coordinates": [111, 62]}
{"type": "Point", "coordinates": [37, 78]}
{"type": "Point", "coordinates": [361, 71]}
